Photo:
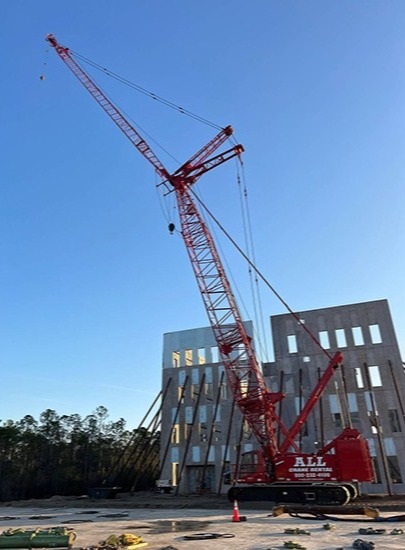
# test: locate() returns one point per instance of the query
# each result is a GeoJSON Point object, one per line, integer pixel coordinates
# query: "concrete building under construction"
{"type": "Point", "coordinates": [203, 433]}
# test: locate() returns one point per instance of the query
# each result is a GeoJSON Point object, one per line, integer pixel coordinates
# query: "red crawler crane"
{"type": "Point", "coordinates": [279, 473]}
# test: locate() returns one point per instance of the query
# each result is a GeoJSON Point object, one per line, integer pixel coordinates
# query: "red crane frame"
{"type": "Point", "coordinates": [244, 375]}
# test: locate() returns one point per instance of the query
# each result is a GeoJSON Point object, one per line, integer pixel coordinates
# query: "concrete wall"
{"type": "Point", "coordinates": [371, 384]}
{"type": "Point", "coordinates": [200, 425]}
{"type": "Point", "coordinates": [202, 429]}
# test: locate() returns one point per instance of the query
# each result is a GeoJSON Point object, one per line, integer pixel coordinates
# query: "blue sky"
{"type": "Point", "coordinates": [90, 278]}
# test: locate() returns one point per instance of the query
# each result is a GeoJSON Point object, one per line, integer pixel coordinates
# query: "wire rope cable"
{"type": "Point", "coordinates": [261, 276]}
{"type": "Point", "coordinates": [145, 92]}
{"type": "Point", "coordinates": [249, 240]}
{"type": "Point", "coordinates": [205, 121]}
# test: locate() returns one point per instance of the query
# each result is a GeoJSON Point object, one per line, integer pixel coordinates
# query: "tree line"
{"type": "Point", "coordinates": [70, 455]}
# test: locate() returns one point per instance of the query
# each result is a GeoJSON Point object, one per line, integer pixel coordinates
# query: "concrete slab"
{"type": "Point", "coordinates": [167, 527]}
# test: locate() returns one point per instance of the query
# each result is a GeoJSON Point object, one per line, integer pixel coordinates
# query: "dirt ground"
{"type": "Point", "coordinates": [162, 521]}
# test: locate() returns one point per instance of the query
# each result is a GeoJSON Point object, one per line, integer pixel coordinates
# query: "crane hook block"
{"type": "Point", "coordinates": [172, 227]}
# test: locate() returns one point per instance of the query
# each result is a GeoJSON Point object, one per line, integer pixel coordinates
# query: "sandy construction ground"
{"type": "Point", "coordinates": [162, 528]}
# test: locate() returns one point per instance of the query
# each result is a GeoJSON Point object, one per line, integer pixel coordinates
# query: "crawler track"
{"type": "Point", "coordinates": [300, 493]}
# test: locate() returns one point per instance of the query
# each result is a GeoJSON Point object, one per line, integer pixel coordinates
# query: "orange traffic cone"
{"type": "Point", "coordinates": [235, 516]}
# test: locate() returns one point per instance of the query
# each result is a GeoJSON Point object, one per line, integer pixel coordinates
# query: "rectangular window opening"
{"type": "Point", "coordinates": [176, 359]}
{"type": "Point", "coordinates": [201, 356]}
{"type": "Point", "coordinates": [352, 402]}
{"type": "Point", "coordinates": [195, 453]}
{"type": "Point", "coordinates": [393, 417]}
{"type": "Point", "coordinates": [340, 338]}
{"type": "Point", "coordinates": [324, 339]}
{"type": "Point", "coordinates": [375, 377]}
{"type": "Point", "coordinates": [208, 392]}
{"type": "Point", "coordinates": [180, 394]}
{"type": "Point", "coordinates": [376, 468]}
{"type": "Point", "coordinates": [359, 377]}
{"type": "Point", "coordinates": [394, 469]}
{"type": "Point", "coordinates": [337, 420]}
{"type": "Point", "coordinates": [215, 354]}
{"type": "Point", "coordinates": [358, 336]}
{"type": "Point", "coordinates": [176, 434]}
{"type": "Point", "coordinates": [292, 343]}
{"type": "Point", "coordinates": [188, 353]}
{"type": "Point", "coordinates": [354, 417]}
{"type": "Point", "coordinates": [375, 334]}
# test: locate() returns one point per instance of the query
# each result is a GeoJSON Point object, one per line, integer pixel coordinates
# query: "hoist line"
{"type": "Point", "coordinates": [127, 115]}
{"type": "Point", "coordinates": [146, 92]}
{"type": "Point", "coordinates": [253, 256]}
{"type": "Point", "coordinates": [262, 277]}
{"type": "Point", "coordinates": [248, 249]}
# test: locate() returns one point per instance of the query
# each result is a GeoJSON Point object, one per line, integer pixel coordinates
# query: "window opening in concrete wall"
{"type": "Point", "coordinates": [354, 417]}
{"type": "Point", "coordinates": [225, 453]}
{"type": "Point", "coordinates": [195, 376]}
{"type": "Point", "coordinates": [174, 454]}
{"type": "Point", "coordinates": [187, 431]}
{"type": "Point", "coordinates": [202, 429]}
{"type": "Point", "coordinates": [180, 394]}
{"type": "Point", "coordinates": [175, 473]}
{"type": "Point", "coordinates": [299, 405]}
{"type": "Point", "coordinates": [188, 354]}
{"type": "Point", "coordinates": [359, 377]}
{"type": "Point", "coordinates": [352, 402]}
{"type": "Point", "coordinates": [353, 407]}
{"type": "Point", "coordinates": [224, 390]}
{"type": "Point", "coordinates": [175, 359]}
{"type": "Point", "coordinates": [369, 401]}
{"type": "Point", "coordinates": [375, 377]}
{"type": "Point", "coordinates": [393, 418]}
{"type": "Point", "coordinates": [306, 359]}
{"type": "Point", "coordinates": [208, 375]}
{"type": "Point", "coordinates": [174, 413]}
{"type": "Point", "coordinates": [358, 336]}
{"type": "Point", "coordinates": [243, 388]}
{"type": "Point", "coordinates": [375, 334]}
{"type": "Point", "coordinates": [176, 434]}
{"type": "Point", "coordinates": [217, 432]}
{"type": "Point", "coordinates": [201, 356]}
{"type": "Point", "coordinates": [215, 354]}
{"type": "Point", "coordinates": [340, 338]}
{"type": "Point", "coordinates": [376, 468]}
{"type": "Point", "coordinates": [195, 453]}
{"type": "Point", "coordinates": [194, 391]}
{"type": "Point", "coordinates": [247, 432]}
{"type": "Point", "coordinates": [211, 455]}
{"type": "Point", "coordinates": [371, 446]}
{"type": "Point", "coordinates": [203, 413]}
{"type": "Point", "coordinates": [393, 469]}
{"type": "Point", "coordinates": [389, 446]}
{"type": "Point", "coordinates": [208, 392]}
{"type": "Point", "coordinates": [334, 403]}
{"type": "Point", "coordinates": [188, 413]}
{"type": "Point", "coordinates": [337, 420]}
{"type": "Point", "coordinates": [335, 410]}
{"type": "Point", "coordinates": [292, 343]}
{"type": "Point", "coordinates": [324, 339]}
